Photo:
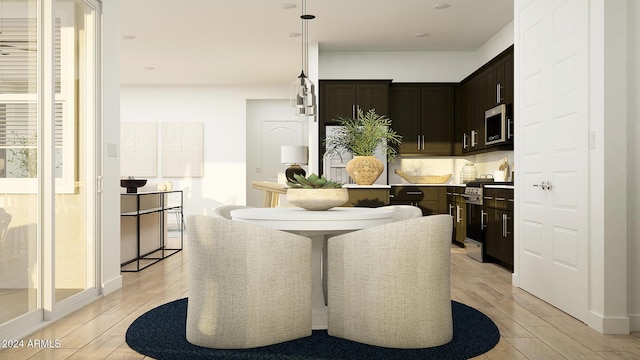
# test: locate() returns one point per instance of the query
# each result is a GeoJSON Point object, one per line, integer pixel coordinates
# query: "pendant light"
{"type": "Point", "coordinates": [303, 97]}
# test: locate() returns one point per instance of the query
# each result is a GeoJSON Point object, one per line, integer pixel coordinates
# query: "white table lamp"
{"type": "Point", "coordinates": [294, 156]}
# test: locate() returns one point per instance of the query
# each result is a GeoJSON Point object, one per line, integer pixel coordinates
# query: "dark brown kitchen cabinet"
{"type": "Point", "coordinates": [368, 197]}
{"type": "Point", "coordinates": [456, 207]}
{"type": "Point", "coordinates": [487, 87]}
{"type": "Point", "coordinates": [341, 98]}
{"type": "Point", "coordinates": [499, 80]}
{"type": "Point", "coordinates": [424, 115]}
{"type": "Point", "coordinates": [498, 219]}
{"type": "Point", "coordinates": [430, 199]}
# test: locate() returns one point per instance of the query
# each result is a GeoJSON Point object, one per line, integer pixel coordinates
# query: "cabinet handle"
{"type": "Point", "coordinates": [482, 215]}
{"type": "Point", "coordinates": [451, 209]}
{"type": "Point", "coordinates": [500, 199]}
{"type": "Point", "coordinates": [465, 144]}
{"type": "Point", "coordinates": [418, 142]}
{"type": "Point", "coordinates": [474, 138]}
{"type": "Point", "coordinates": [422, 148]}
{"type": "Point", "coordinates": [509, 130]}
{"type": "Point", "coordinates": [353, 111]}
{"type": "Point", "coordinates": [414, 192]}
{"type": "Point", "coordinates": [505, 220]}
{"type": "Point", "coordinates": [458, 217]}
{"type": "Point", "coordinates": [498, 94]}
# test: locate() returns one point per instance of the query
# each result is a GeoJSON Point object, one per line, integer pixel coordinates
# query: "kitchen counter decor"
{"type": "Point", "coordinates": [362, 136]}
{"type": "Point", "coordinates": [316, 193]}
{"type": "Point", "coordinates": [424, 179]}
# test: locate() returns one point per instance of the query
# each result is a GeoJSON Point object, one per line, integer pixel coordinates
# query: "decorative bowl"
{"type": "Point", "coordinates": [317, 199]}
{"type": "Point", "coordinates": [424, 179]}
{"type": "Point", "coordinates": [132, 185]}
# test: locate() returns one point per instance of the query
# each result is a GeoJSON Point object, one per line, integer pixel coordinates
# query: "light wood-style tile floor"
{"type": "Point", "coordinates": [530, 328]}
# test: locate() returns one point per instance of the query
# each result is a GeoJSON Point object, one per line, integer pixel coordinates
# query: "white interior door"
{"type": "Point", "coordinates": [270, 124]}
{"type": "Point", "coordinates": [552, 107]}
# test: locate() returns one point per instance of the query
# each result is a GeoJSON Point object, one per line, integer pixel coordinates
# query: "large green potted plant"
{"type": "Point", "coordinates": [362, 136]}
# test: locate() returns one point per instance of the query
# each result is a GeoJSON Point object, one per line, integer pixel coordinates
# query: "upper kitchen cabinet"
{"type": "Point", "coordinates": [424, 114]}
{"type": "Point", "coordinates": [499, 80]}
{"type": "Point", "coordinates": [341, 98]}
{"type": "Point", "coordinates": [486, 88]}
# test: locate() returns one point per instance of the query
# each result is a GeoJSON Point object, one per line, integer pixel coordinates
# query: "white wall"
{"type": "Point", "coordinates": [223, 112]}
{"type": "Point", "coordinates": [399, 66]}
{"type": "Point", "coordinates": [410, 66]}
{"type": "Point", "coordinates": [633, 163]}
{"type": "Point", "coordinates": [607, 194]}
{"type": "Point", "coordinates": [111, 279]}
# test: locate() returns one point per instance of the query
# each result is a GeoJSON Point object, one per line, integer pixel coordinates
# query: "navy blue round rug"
{"type": "Point", "coordinates": [161, 334]}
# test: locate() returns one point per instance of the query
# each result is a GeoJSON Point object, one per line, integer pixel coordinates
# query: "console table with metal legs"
{"type": "Point", "coordinates": [144, 235]}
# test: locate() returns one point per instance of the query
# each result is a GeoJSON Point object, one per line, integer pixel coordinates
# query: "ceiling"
{"type": "Point", "coordinates": [215, 42]}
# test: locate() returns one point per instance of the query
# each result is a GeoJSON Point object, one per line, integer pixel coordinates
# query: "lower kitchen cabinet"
{"type": "Point", "coordinates": [430, 199]}
{"type": "Point", "coordinates": [368, 197]}
{"type": "Point", "coordinates": [456, 207]}
{"type": "Point", "coordinates": [498, 219]}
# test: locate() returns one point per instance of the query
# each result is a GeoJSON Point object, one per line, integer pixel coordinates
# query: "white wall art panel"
{"type": "Point", "coordinates": [139, 149]}
{"type": "Point", "coordinates": [182, 149]}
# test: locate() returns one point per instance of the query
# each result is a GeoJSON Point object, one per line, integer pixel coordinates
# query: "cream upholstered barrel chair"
{"type": "Point", "coordinates": [224, 211]}
{"type": "Point", "coordinates": [389, 285]}
{"type": "Point", "coordinates": [249, 285]}
{"type": "Point", "coordinates": [402, 212]}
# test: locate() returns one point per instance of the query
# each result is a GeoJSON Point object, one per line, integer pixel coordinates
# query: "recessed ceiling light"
{"type": "Point", "coordinates": [421, 34]}
{"type": "Point", "coordinates": [288, 6]}
{"type": "Point", "coordinates": [441, 6]}
{"type": "Point", "coordinates": [128, 37]}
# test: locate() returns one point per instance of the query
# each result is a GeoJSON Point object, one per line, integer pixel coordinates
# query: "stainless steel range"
{"type": "Point", "coordinates": [475, 221]}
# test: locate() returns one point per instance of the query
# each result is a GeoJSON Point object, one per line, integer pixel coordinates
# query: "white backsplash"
{"type": "Point", "coordinates": [486, 163]}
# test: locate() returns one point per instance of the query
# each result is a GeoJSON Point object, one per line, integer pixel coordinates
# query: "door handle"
{"type": "Point", "coordinates": [545, 185]}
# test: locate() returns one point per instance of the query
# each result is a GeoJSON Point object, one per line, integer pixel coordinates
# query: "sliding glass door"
{"type": "Point", "coordinates": [49, 162]}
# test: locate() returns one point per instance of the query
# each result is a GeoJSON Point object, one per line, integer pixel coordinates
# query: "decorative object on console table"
{"type": "Point", "coordinates": [361, 136]}
{"type": "Point", "coordinates": [294, 156]}
{"type": "Point", "coordinates": [316, 193]}
{"type": "Point", "coordinates": [132, 184]}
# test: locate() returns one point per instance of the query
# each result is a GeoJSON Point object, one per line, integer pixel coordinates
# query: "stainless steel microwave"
{"type": "Point", "coordinates": [498, 127]}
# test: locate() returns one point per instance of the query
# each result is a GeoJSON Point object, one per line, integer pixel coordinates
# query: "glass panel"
{"type": "Point", "coordinates": [75, 115]}
{"type": "Point", "coordinates": [19, 268]}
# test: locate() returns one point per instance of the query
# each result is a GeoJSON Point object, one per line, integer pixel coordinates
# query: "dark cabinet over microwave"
{"type": "Point", "coordinates": [487, 87]}
{"type": "Point", "coordinates": [424, 114]}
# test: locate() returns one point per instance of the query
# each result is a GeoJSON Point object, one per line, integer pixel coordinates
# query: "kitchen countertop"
{"type": "Point", "coordinates": [488, 185]}
{"type": "Point", "coordinates": [499, 186]}
{"type": "Point", "coordinates": [374, 186]}
{"type": "Point", "coordinates": [462, 185]}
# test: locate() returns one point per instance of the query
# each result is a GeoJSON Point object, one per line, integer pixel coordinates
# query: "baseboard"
{"type": "Point", "coordinates": [608, 325]}
{"type": "Point", "coordinates": [515, 280]}
{"type": "Point", "coordinates": [112, 285]}
{"type": "Point", "coordinates": [634, 322]}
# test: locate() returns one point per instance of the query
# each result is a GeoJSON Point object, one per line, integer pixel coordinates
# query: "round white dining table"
{"type": "Point", "coordinates": [316, 225]}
